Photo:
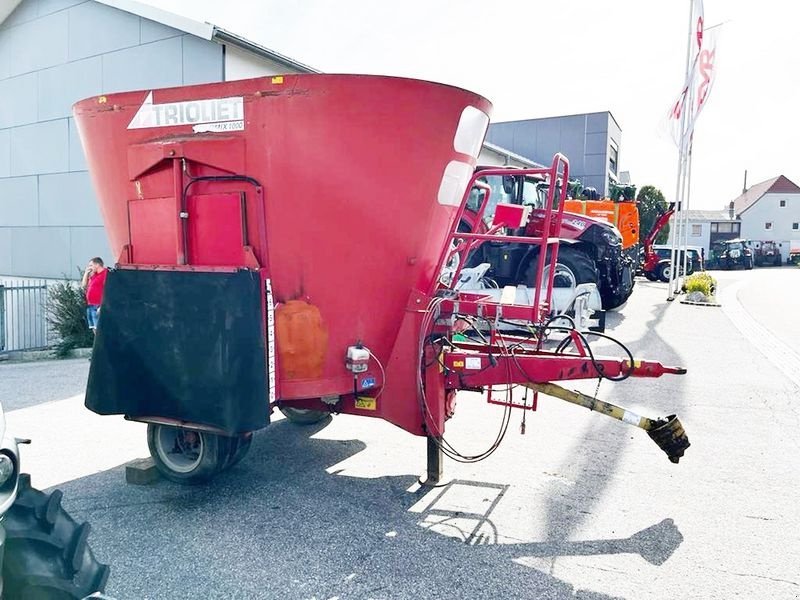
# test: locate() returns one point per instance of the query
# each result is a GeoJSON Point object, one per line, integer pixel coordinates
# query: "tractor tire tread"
{"type": "Point", "coordinates": [47, 552]}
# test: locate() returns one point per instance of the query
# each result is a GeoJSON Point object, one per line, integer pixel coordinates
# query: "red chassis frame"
{"type": "Point", "coordinates": [504, 359]}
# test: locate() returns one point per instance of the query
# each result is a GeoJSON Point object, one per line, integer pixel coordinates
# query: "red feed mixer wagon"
{"type": "Point", "coordinates": [279, 243]}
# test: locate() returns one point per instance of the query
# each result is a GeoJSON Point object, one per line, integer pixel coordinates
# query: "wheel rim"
{"type": "Point", "coordinates": [667, 271]}
{"type": "Point", "coordinates": [179, 449]}
{"type": "Point", "coordinates": [563, 277]}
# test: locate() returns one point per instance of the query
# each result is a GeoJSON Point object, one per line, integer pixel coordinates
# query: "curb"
{"type": "Point", "coordinates": [689, 302]}
{"type": "Point", "coordinates": [35, 355]}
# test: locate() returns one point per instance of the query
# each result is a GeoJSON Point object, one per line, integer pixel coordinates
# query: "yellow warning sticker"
{"type": "Point", "coordinates": [278, 79]}
{"type": "Point", "coordinates": [458, 364]}
{"type": "Point", "coordinates": [365, 403]}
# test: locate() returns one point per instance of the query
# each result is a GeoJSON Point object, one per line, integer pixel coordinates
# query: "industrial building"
{"type": "Point", "coordinates": [591, 142]}
{"type": "Point", "coordinates": [56, 52]}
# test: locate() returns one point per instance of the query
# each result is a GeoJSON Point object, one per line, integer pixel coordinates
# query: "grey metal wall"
{"type": "Point", "coordinates": [53, 53]}
{"type": "Point", "coordinates": [583, 139]}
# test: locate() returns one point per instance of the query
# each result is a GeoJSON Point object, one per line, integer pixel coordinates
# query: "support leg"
{"type": "Point", "coordinates": [435, 460]}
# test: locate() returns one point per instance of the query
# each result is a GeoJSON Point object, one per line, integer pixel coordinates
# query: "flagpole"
{"type": "Point", "coordinates": [688, 197]}
{"type": "Point", "coordinates": [681, 160]}
{"type": "Point", "coordinates": [687, 193]}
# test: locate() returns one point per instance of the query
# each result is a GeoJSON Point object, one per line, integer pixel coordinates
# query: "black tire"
{"type": "Point", "coordinates": [612, 301]}
{"type": "Point", "coordinates": [650, 276]}
{"type": "Point", "coordinates": [185, 455]}
{"type": "Point", "coordinates": [748, 265]}
{"type": "Point", "coordinates": [303, 416]}
{"type": "Point", "coordinates": [47, 555]}
{"type": "Point", "coordinates": [576, 265]}
{"type": "Point", "coordinates": [662, 271]}
{"type": "Point", "coordinates": [238, 447]}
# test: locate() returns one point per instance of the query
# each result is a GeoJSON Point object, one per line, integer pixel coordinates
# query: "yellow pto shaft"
{"type": "Point", "coordinates": [667, 433]}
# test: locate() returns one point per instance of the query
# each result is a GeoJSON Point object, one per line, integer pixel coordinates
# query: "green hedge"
{"type": "Point", "coordinates": [66, 313]}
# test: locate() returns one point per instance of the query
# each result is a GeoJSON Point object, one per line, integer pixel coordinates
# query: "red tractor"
{"type": "Point", "coordinates": [767, 253]}
{"type": "Point", "coordinates": [591, 249]}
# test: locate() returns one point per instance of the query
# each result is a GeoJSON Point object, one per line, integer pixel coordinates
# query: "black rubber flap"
{"type": "Point", "coordinates": [181, 345]}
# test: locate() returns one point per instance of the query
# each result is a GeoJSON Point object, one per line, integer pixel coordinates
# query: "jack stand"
{"type": "Point", "coordinates": [435, 462]}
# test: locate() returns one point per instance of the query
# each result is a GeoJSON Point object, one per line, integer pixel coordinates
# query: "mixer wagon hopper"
{"type": "Point", "coordinates": [279, 244]}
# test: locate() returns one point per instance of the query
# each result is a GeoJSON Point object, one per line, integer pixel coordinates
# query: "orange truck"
{"type": "Point", "coordinates": [624, 215]}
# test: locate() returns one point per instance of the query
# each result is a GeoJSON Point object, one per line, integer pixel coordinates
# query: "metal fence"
{"type": "Point", "coordinates": [23, 315]}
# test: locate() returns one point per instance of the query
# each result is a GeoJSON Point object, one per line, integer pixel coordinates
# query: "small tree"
{"type": "Point", "coordinates": [651, 205]}
{"type": "Point", "coordinates": [66, 313]}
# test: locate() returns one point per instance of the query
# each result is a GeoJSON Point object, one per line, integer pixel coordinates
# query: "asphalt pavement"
{"type": "Point", "coordinates": [579, 507]}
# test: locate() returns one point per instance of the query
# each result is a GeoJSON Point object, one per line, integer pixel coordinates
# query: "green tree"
{"type": "Point", "coordinates": [651, 205]}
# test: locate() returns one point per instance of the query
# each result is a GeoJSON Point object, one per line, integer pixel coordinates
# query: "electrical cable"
{"type": "Point", "coordinates": [383, 373]}
{"type": "Point", "coordinates": [438, 438]}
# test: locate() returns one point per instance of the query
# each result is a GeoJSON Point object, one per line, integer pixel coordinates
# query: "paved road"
{"type": "Point", "coordinates": [579, 507]}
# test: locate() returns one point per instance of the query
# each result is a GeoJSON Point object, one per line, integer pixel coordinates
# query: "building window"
{"type": "Point", "coordinates": [725, 227]}
{"type": "Point", "coordinates": [714, 227]}
{"type": "Point", "coordinates": [613, 158]}
{"type": "Point", "coordinates": [736, 227]}
{"type": "Point", "coordinates": [697, 230]}
{"type": "Point", "coordinates": [795, 226]}
{"type": "Point", "coordinates": [783, 203]}
{"type": "Point", "coordinates": [768, 225]}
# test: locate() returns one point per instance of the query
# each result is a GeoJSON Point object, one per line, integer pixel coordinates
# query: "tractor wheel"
{"type": "Point", "coordinates": [238, 447]}
{"type": "Point", "coordinates": [46, 553]}
{"type": "Point", "coordinates": [572, 268]}
{"type": "Point", "coordinates": [303, 416]}
{"type": "Point", "coordinates": [748, 265]}
{"type": "Point", "coordinates": [186, 455]}
{"type": "Point", "coordinates": [650, 276]}
{"type": "Point", "coordinates": [778, 260]}
{"type": "Point", "coordinates": [663, 271]}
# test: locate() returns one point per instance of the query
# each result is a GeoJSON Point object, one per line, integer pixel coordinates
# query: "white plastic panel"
{"type": "Point", "coordinates": [471, 131]}
{"type": "Point", "coordinates": [454, 182]}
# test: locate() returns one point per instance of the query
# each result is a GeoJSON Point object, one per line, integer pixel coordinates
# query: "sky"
{"type": "Point", "coordinates": [537, 59]}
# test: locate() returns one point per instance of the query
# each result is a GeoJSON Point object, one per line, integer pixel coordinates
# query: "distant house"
{"type": "Point", "coordinates": [770, 210]}
{"type": "Point", "coordinates": [709, 226]}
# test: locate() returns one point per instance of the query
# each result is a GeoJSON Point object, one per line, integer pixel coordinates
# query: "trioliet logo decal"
{"type": "Point", "coordinates": [213, 114]}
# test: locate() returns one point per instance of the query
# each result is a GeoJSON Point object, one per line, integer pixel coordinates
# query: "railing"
{"type": "Point", "coordinates": [23, 315]}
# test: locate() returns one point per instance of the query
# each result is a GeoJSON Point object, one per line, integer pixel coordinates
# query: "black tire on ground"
{"type": "Point", "coordinates": [748, 263]}
{"type": "Point", "coordinates": [650, 276]}
{"type": "Point", "coordinates": [185, 455]}
{"type": "Point", "coordinates": [303, 416]}
{"type": "Point", "coordinates": [237, 449]}
{"type": "Point", "coordinates": [573, 266]}
{"type": "Point", "coordinates": [662, 271]}
{"type": "Point", "coordinates": [46, 553]}
{"type": "Point", "coordinates": [615, 300]}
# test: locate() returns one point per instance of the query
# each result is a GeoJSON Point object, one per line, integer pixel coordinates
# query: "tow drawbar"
{"type": "Point", "coordinates": [667, 433]}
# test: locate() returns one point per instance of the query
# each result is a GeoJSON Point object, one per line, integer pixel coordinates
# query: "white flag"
{"type": "Point", "coordinates": [699, 81]}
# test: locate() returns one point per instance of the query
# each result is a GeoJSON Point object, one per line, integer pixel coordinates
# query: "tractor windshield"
{"type": "Point", "coordinates": [505, 189]}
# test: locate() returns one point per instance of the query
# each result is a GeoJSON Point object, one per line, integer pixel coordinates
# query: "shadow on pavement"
{"type": "Point", "coordinates": [279, 525]}
{"type": "Point", "coordinates": [596, 457]}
